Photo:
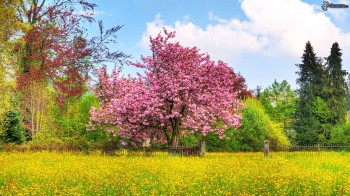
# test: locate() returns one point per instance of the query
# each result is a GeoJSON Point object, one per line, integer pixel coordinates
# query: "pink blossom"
{"type": "Point", "coordinates": [182, 92]}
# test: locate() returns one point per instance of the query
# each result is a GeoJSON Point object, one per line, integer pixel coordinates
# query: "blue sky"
{"type": "Point", "coordinates": [261, 39]}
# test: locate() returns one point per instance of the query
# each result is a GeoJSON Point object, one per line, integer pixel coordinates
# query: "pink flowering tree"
{"type": "Point", "coordinates": [182, 92]}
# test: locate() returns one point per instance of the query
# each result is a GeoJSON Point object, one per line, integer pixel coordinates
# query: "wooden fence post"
{"type": "Point", "coordinates": [266, 148]}
{"type": "Point", "coordinates": [202, 148]}
{"type": "Point", "coordinates": [319, 149]}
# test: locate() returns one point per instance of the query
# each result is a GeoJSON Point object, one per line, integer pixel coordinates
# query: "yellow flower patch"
{"type": "Point", "coordinates": [51, 173]}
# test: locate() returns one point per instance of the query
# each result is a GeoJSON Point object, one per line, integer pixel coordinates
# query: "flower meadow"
{"type": "Point", "coordinates": [51, 173]}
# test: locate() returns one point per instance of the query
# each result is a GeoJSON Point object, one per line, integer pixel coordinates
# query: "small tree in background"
{"type": "Point", "coordinates": [256, 127]}
{"type": "Point", "coordinates": [72, 120]}
{"type": "Point", "coordinates": [182, 92]}
{"type": "Point", "coordinates": [340, 135]}
{"type": "Point", "coordinates": [257, 92]}
{"type": "Point", "coordinates": [37, 97]}
{"type": "Point", "coordinates": [13, 131]}
{"type": "Point", "coordinates": [321, 117]}
{"type": "Point", "coordinates": [279, 101]}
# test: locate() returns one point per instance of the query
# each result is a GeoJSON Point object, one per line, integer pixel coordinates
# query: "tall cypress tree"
{"type": "Point", "coordinates": [311, 82]}
{"type": "Point", "coordinates": [335, 90]}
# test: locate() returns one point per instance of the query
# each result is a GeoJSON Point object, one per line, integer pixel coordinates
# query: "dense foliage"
{"type": "Point", "coordinates": [13, 130]}
{"type": "Point", "coordinates": [340, 135]}
{"type": "Point", "coordinates": [322, 96]}
{"type": "Point", "coordinates": [45, 45]}
{"type": "Point", "coordinates": [183, 98]}
{"type": "Point", "coordinates": [256, 126]}
{"type": "Point", "coordinates": [279, 101]}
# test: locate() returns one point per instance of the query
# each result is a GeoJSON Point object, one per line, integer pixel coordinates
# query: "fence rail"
{"type": "Point", "coordinates": [174, 151]}
{"type": "Point", "coordinates": [178, 151]}
{"type": "Point", "coordinates": [304, 149]}
{"type": "Point", "coordinates": [111, 150]}
{"type": "Point", "coordinates": [184, 151]}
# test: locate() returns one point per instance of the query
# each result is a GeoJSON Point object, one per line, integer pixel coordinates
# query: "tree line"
{"type": "Point", "coordinates": [47, 60]}
{"type": "Point", "coordinates": [316, 113]}
{"type": "Point", "coordinates": [184, 97]}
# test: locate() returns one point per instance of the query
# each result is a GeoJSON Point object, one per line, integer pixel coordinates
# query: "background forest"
{"type": "Point", "coordinates": [48, 63]}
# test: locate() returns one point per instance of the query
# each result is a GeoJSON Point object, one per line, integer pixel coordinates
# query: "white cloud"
{"type": "Point", "coordinates": [272, 28]}
{"type": "Point", "coordinates": [216, 18]}
{"type": "Point", "coordinates": [272, 37]}
{"type": "Point", "coordinates": [220, 39]}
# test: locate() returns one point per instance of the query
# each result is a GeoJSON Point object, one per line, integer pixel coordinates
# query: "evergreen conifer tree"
{"type": "Point", "coordinates": [335, 90]}
{"type": "Point", "coordinates": [13, 129]}
{"type": "Point", "coordinates": [311, 85]}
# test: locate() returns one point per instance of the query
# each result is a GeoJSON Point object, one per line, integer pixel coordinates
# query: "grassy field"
{"type": "Point", "coordinates": [50, 173]}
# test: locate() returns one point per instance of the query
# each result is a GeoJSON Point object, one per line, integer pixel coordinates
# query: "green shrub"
{"type": "Point", "coordinates": [227, 144]}
{"type": "Point", "coordinates": [189, 140]}
{"type": "Point", "coordinates": [77, 143]}
{"type": "Point", "coordinates": [340, 135]}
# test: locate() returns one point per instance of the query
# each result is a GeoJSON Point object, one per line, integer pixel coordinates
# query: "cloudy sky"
{"type": "Point", "coordinates": [261, 39]}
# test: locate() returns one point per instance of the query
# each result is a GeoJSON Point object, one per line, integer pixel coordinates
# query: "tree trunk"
{"type": "Point", "coordinates": [175, 133]}
{"type": "Point", "coordinates": [175, 140]}
{"type": "Point", "coordinates": [32, 111]}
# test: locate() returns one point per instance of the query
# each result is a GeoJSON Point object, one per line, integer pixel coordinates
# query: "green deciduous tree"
{"type": "Point", "coordinates": [321, 114]}
{"type": "Point", "coordinates": [9, 23]}
{"type": "Point", "coordinates": [37, 98]}
{"type": "Point", "coordinates": [256, 126]}
{"type": "Point", "coordinates": [72, 120]}
{"type": "Point", "coordinates": [279, 101]}
{"type": "Point", "coordinates": [340, 135]}
{"type": "Point", "coordinates": [45, 42]}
